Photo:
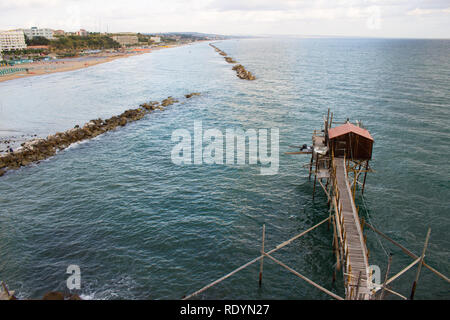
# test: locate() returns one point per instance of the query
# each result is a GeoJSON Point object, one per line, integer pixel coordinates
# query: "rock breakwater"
{"type": "Point", "coordinates": [36, 150]}
{"type": "Point", "coordinates": [241, 72]}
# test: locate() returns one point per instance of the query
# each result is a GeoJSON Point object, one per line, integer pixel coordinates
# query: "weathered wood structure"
{"type": "Point", "coordinates": [338, 154]}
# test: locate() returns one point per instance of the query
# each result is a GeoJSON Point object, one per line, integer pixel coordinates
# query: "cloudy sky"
{"type": "Point", "coordinates": [374, 18]}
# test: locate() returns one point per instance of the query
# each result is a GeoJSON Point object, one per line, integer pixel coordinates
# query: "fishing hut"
{"type": "Point", "coordinates": [339, 156]}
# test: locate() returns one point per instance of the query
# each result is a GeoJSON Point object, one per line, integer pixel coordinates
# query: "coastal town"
{"type": "Point", "coordinates": [34, 51]}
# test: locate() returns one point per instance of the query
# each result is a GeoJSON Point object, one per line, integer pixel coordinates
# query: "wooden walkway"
{"type": "Point", "coordinates": [354, 251]}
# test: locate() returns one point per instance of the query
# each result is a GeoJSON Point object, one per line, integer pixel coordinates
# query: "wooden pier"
{"type": "Point", "coordinates": [339, 158]}
{"type": "Point", "coordinates": [334, 152]}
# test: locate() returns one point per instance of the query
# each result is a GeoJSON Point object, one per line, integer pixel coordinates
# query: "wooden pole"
{"type": "Point", "coordinates": [336, 246]}
{"type": "Point", "coordinates": [278, 247]}
{"type": "Point", "coordinates": [409, 253]}
{"type": "Point", "coordinates": [403, 271]}
{"type": "Point", "coordinates": [262, 253]}
{"type": "Point", "coordinates": [419, 268]}
{"type": "Point", "coordinates": [315, 175]}
{"type": "Point", "coordinates": [6, 289]}
{"type": "Point", "coordinates": [386, 277]}
{"type": "Point", "coordinates": [310, 165]}
{"type": "Point", "coordinates": [365, 176]}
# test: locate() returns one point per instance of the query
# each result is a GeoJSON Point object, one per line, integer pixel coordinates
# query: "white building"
{"type": "Point", "coordinates": [126, 39]}
{"type": "Point", "coordinates": [156, 39]}
{"type": "Point", "coordinates": [38, 32]}
{"type": "Point", "coordinates": [82, 33]}
{"type": "Point", "coordinates": [12, 40]}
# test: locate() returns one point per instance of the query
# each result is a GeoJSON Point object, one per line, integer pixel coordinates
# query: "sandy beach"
{"type": "Point", "coordinates": [70, 64]}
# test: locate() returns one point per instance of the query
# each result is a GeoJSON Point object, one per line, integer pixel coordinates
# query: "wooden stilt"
{"type": "Point", "coordinates": [315, 175]}
{"type": "Point", "coordinates": [310, 165]}
{"type": "Point", "coordinates": [262, 253]}
{"type": "Point", "coordinates": [365, 176]}
{"type": "Point", "coordinates": [336, 246]}
{"type": "Point", "coordinates": [386, 277]}
{"type": "Point", "coordinates": [419, 268]}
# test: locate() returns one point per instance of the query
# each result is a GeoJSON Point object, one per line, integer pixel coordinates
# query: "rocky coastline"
{"type": "Point", "coordinates": [35, 150]}
{"type": "Point", "coordinates": [241, 72]}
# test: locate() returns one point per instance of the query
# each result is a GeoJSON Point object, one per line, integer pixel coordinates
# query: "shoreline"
{"type": "Point", "coordinates": [16, 138]}
{"type": "Point", "coordinates": [72, 64]}
{"type": "Point", "coordinates": [38, 149]}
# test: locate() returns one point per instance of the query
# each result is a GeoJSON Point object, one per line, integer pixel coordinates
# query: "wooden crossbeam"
{"type": "Point", "coordinates": [409, 253]}
{"type": "Point", "coordinates": [304, 278]}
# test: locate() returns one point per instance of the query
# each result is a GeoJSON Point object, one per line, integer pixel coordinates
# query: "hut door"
{"type": "Point", "coordinates": [341, 147]}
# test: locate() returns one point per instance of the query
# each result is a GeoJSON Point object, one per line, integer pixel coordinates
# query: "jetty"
{"type": "Point", "coordinates": [339, 156]}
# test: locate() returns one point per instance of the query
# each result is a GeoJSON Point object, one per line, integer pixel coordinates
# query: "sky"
{"type": "Point", "coordinates": [360, 18]}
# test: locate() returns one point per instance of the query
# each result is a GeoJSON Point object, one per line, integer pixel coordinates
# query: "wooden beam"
{"type": "Point", "coordinates": [419, 268]}
{"type": "Point", "coordinates": [402, 271]}
{"type": "Point", "coordinates": [386, 277]}
{"type": "Point", "coordinates": [409, 253]}
{"type": "Point", "coordinates": [262, 253]}
{"type": "Point", "coordinates": [253, 261]}
{"type": "Point", "coordinates": [305, 278]}
{"type": "Point", "coordinates": [299, 152]}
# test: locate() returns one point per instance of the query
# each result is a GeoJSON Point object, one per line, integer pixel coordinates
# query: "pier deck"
{"type": "Point", "coordinates": [356, 266]}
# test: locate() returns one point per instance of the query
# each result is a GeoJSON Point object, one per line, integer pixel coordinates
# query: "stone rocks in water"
{"type": "Point", "coordinates": [123, 121]}
{"type": "Point", "coordinates": [218, 50]}
{"type": "Point", "coordinates": [54, 295]}
{"type": "Point", "coordinates": [169, 101]}
{"type": "Point", "coordinates": [242, 73]}
{"type": "Point", "coordinates": [150, 105]}
{"type": "Point", "coordinates": [39, 149]}
{"type": "Point", "coordinates": [192, 94]}
{"type": "Point", "coordinates": [240, 70]}
{"type": "Point", "coordinates": [230, 60]}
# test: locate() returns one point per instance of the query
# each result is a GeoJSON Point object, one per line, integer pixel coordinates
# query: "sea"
{"type": "Point", "coordinates": [140, 226]}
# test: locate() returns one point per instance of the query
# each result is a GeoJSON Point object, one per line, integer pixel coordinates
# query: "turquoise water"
{"type": "Point", "coordinates": [141, 227]}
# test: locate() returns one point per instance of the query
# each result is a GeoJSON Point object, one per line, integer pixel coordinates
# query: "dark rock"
{"type": "Point", "coordinates": [54, 295]}
{"type": "Point", "coordinates": [192, 94]}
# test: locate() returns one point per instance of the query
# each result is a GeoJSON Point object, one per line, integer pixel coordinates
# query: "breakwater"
{"type": "Point", "coordinates": [36, 150]}
{"type": "Point", "coordinates": [241, 72]}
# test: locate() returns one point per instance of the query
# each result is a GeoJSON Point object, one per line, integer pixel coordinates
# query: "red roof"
{"type": "Point", "coordinates": [346, 128]}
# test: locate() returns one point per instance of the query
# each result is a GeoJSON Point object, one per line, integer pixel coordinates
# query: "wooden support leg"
{"type": "Point", "coordinates": [383, 291]}
{"type": "Point", "coordinates": [315, 175]}
{"type": "Point", "coordinates": [262, 253]}
{"type": "Point", "coordinates": [419, 268]}
{"type": "Point", "coordinates": [365, 175]}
